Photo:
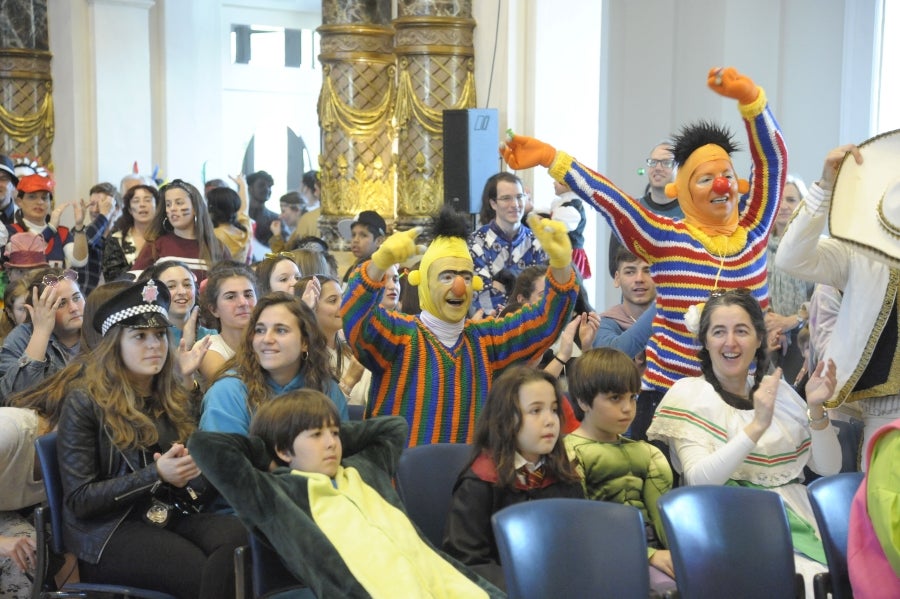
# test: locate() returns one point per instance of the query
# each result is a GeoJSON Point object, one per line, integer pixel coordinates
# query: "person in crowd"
{"type": "Point", "coordinates": [24, 254]}
{"type": "Point", "coordinates": [518, 456]}
{"type": "Point", "coordinates": [259, 188]}
{"type": "Point", "coordinates": [301, 462]}
{"type": "Point", "coordinates": [865, 332]}
{"type": "Point", "coordinates": [312, 262]}
{"type": "Point", "coordinates": [277, 272]}
{"type": "Point", "coordinates": [14, 311]}
{"type": "Point", "coordinates": [283, 227]}
{"type": "Point", "coordinates": [660, 172]}
{"type": "Point", "coordinates": [731, 426]}
{"type": "Point", "coordinates": [282, 350]}
{"type": "Point", "coordinates": [604, 385]}
{"type": "Point", "coordinates": [182, 230]}
{"type": "Point", "coordinates": [308, 225]}
{"type": "Point", "coordinates": [8, 183]}
{"type": "Point", "coordinates": [228, 212]}
{"type": "Point", "coordinates": [439, 349]}
{"type": "Point", "coordinates": [721, 242]}
{"type": "Point", "coordinates": [38, 214]}
{"type": "Point", "coordinates": [873, 546]}
{"type": "Point", "coordinates": [502, 243]}
{"type": "Point", "coordinates": [131, 510]}
{"type": "Point", "coordinates": [128, 235]}
{"type": "Point", "coordinates": [49, 338]}
{"type": "Point", "coordinates": [102, 206]}
{"type": "Point", "coordinates": [568, 208]}
{"type": "Point", "coordinates": [229, 297]}
{"type": "Point", "coordinates": [133, 179]}
{"type": "Point", "coordinates": [788, 295]}
{"type": "Point", "coordinates": [626, 326]}
{"type": "Point", "coordinates": [365, 233]}
{"type": "Point", "coordinates": [183, 310]}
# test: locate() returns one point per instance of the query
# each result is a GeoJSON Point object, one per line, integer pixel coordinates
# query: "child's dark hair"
{"type": "Point", "coordinates": [278, 421]}
{"type": "Point", "coordinates": [601, 370]}
{"type": "Point", "coordinates": [501, 419]}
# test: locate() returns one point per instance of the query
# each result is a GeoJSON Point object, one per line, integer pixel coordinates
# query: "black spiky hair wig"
{"type": "Point", "coordinates": [450, 223]}
{"type": "Point", "coordinates": [699, 134]}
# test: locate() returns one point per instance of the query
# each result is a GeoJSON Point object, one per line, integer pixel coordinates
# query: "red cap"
{"type": "Point", "coordinates": [33, 183]}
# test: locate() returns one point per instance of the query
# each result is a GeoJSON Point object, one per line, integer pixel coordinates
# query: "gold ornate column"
{"type": "Point", "coordinates": [26, 101]}
{"type": "Point", "coordinates": [436, 71]}
{"type": "Point", "coordinates": [355, 109]}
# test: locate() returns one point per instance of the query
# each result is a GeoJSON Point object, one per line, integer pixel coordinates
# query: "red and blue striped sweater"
{"type": "Point", "coordinates": [685, 268]}
{"type": "Point", "coordinates": [440, 390]}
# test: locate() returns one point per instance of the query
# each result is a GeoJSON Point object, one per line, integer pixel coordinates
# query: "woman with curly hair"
{"type": "Point", "coordinates": [283, 349]}
{"type": "Point", "coordinates": [182, 230]}
{"type": "Point", "coordinates": [130, 488]}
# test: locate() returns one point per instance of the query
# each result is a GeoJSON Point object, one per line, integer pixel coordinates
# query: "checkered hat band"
{"type": "Point", "coordinates": [121, 315]}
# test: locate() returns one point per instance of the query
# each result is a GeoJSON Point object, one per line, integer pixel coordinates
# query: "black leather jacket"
{"type": "Point", "coordinates": [101, 484]}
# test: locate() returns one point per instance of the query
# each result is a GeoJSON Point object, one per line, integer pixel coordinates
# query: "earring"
{"type": "Point", "coordinates": [166, 223]}
{"type": "Point", "coordinates": [305, 356]}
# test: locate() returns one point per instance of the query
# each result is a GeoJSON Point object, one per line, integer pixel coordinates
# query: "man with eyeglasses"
{"type": "Point", "coordinates": [503, 246]}
{"type": "Point", "coordinates": [660, 172]}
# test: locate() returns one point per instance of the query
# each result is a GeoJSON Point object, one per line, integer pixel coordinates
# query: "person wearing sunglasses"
{"type": "Point", "coordinates": [660, 170]}
{"type": "Point", "coordinates": [49, 337]}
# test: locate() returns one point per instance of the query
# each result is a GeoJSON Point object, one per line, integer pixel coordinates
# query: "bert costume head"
{"type": "Point", "coordinates": [706, 185]}
{"type": "Point", "coordinates": [446, 276]}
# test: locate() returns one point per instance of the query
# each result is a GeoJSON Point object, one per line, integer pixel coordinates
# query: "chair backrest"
{"type": "Point", "coordinates": [830, 498]}
{"type": "Point", "coordinates": [269, 574]}
{"type": "Point", "coordinates": [729, 542]}
{"type": "Point", "coordinates": [45, 446]}
{"type": "Point", "coordinates": [425, 478]}
{"type": "Point", "coordinates": [563, 547]}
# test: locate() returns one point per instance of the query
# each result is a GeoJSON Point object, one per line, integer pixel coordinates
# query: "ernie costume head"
{"type": "Point", "coordinates": [446, 276]}
{"type": "Point", "coordinates": [706, 185]}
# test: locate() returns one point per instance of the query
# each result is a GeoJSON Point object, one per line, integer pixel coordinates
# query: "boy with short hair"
{"type": "Point", "coordinates": [365, 233]}
{"type": "Point", "coordinates": [338, 525]}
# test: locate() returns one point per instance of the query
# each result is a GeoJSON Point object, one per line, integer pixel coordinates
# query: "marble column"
{"type": "Point", "coordinates": [356, 167]}
{"type": "Point", "coordinates": [436, 72]}
{"type": "Point", "coordinates": [26, 87]}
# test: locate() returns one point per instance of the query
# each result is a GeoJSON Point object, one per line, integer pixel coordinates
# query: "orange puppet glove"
{"type": "Point", "coordinates": [726, 81]}
{"type": "Point", "coordinates": [525, 152]}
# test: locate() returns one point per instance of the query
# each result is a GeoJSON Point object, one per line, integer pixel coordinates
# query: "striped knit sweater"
{"type": "Point", "coordinates": [684, 262]}
{"type": "Point", "coordinates": [440, 390]}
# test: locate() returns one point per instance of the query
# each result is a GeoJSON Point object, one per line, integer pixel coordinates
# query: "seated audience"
{"type": "Point", "coordinates": [50, 336]}
{"type": "Point", "coordinates": [182, 230]}
{"type": "Point", "coordinates": [502, 242]}
{"type": "Point", "coordinates": [282, 228]}
{"type": "Point", "coordinates": [365, 233]}
{"type": "Point", "coordinates": [183, 309]}
{"type": "Point", "coordinates": [730, 427]}
{"type": "Point", "coordinates": [283, 349]}
{"type": "Point", "coordinates": [23, 255]}
{"type": "Point", "coordinates": [231, 225]}
{"type": "Point", "coordinates": [322, 494]}
{"type": "Point", "coordinates": [102, 206]}
{"type": "Point", "coordinates": [518, 456]}
{"type": "Point", "coordinates": [14, 311]}
{"type": "Point", "coordinates": [127, 238]}
{"type": "Point", "coordinates": [129, 485]}
{"type": "Point", "coordinates": [229, 298]}
{"type": "Point", "coordinates": [604, 384]}
{"type": "Point", "coordinates": [277, 272]}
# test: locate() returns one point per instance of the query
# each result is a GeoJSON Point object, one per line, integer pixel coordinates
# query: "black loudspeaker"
{"type": "Point", "coordinates": [471, 139]}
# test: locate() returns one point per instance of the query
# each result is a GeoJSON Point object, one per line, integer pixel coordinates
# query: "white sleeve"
{"type": "Point", "coordinates": [702, 467]}
{"type": "Point", "coordinates": [826, 455]}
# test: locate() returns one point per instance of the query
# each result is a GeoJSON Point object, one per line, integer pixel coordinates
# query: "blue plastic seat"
{"type": "Point", "coordinates": [50, 516]}
{"type": "Point", "coordinates": [830, 498]}
{"type": "Point", "coordinates": [425, 478]}
{"type": "Point", "coordinates": [730, 542]}
{"type": "Point", "coordinates": [572, 548]}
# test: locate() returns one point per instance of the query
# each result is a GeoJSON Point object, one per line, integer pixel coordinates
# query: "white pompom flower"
{"type": "Point", "coordinates": [692, 318]}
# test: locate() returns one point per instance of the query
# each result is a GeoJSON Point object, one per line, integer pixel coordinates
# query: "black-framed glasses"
{"type": "Point", "coordinates": [665, 163]}
{"type": "Point", "coordinates": [53, 280]}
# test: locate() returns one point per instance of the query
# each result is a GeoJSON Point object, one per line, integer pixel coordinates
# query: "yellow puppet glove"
{"type": "Point", "coordinates": [397, 248]}
{"type": "Point", "coordinates": [525, 152]}
{"type": "Point", "coordinates": [554, 238]}
{"type": "Point", "coordinates": [726, 81]}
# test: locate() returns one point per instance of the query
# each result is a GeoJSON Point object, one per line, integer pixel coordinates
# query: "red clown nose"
{"type": "Point", "coordinates": [721, 185]}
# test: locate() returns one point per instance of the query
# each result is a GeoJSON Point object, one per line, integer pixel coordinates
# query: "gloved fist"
{"type": "Point", "coordinates": [397, 248]}
{"type": "Point", "coordinates": [525, 152]}
{"type": "Point", "coordinates": [726, 81]}
{"type": "Point", "coordinates": [554, 238]}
